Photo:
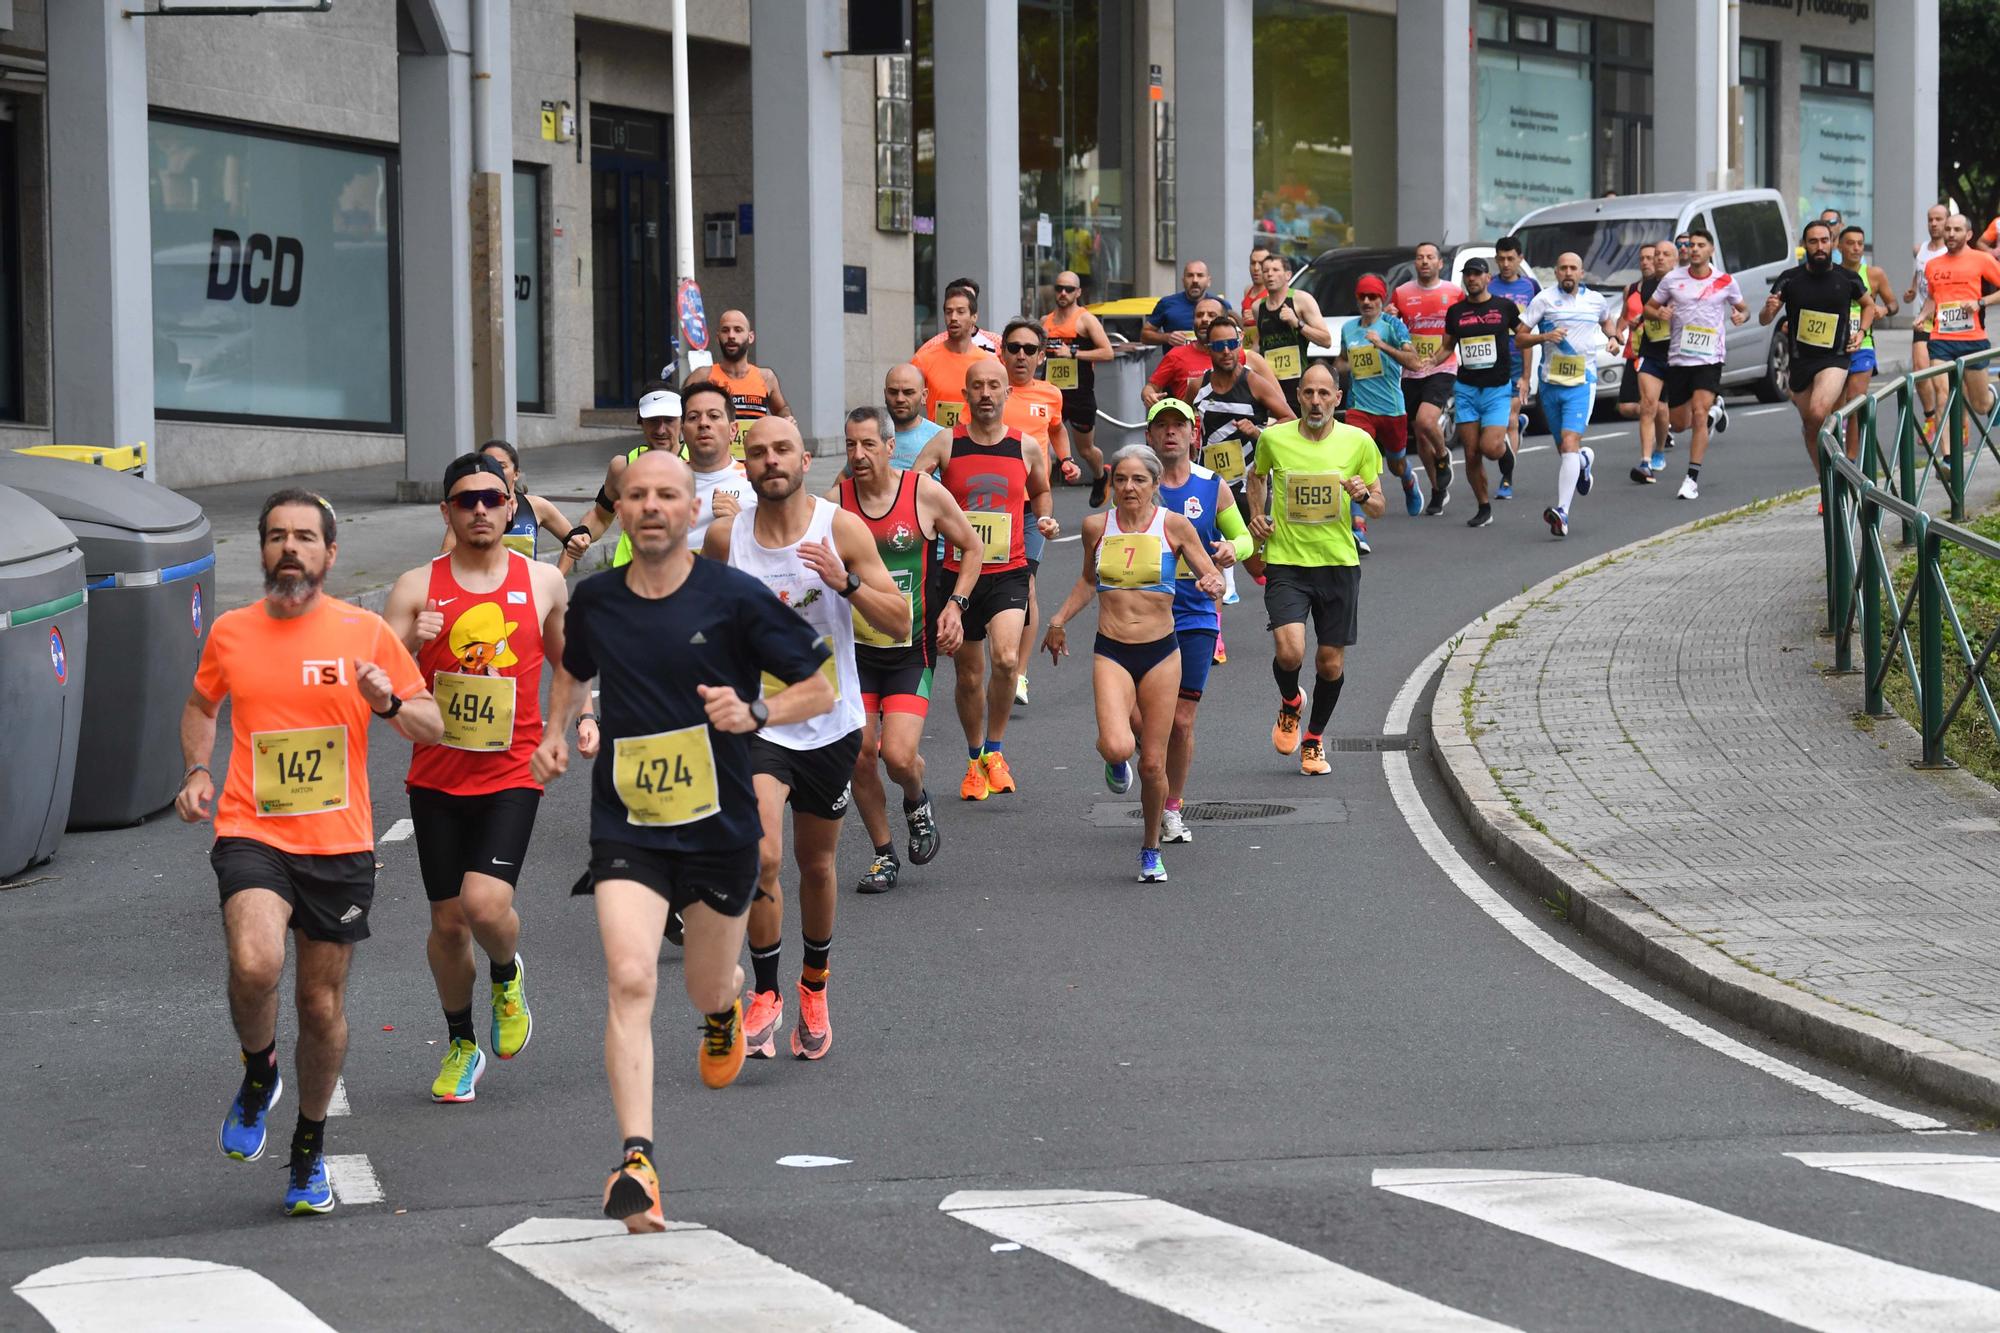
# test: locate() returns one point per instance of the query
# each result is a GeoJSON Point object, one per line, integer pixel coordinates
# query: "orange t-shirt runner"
{"type": "Point", "coordinates": [944, 378]}
{"type": "Point", "coordinates": [298, 754]}
{"type": "Point", "coordinates": [1957, 281]}
{"type": "Point", "coordinates": [1034, 409]}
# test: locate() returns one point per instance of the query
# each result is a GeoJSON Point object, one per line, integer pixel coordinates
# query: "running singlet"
{"type": "Point", "coordinates": [1422, 312]}
{"type": "Point", "coordinates": [1225, 450]}
{"type": "Point", "coordinates": [990, 484]}
{"type": "Point", "coordinates": [485, 668]}
{"type": "Point", "coordinates": [827, 614]}
{"type": "Point", "coordinates": [1484, 335]}
{"type": "Point", "coordinates": [1700, 309]}
{"type": "Point", "coordinates": [1635, 315]}
{"type": "Point", "coordinates": [1854, 311]}
{"type": "Point", "coordinates": [1082, 375]}
{"type": "Point", "coordinates": [1311, 515]}
{"type": "Point", "coordinates": [944, 379]}
{"type": "Point", "coordinates": [1201, 500]}
{"type": "Point", "coordinates": [525, 531]}
{"type": "Point", "coordinates": [749, 396]}
{"type": "Point", "coordinates": [899, 537]}
{"type": "Point", "coordinates": [1655, 334]}
{"type": "Point", "coordinates": [910, 442]}
{"type": "Point", "coordinates": [1925, 254]}
{"type": "Point", "coordinates": [1141, 561]}
{"type": "Point", "coordinates": [1282, 346]}
{"type": "Point", "coordinates": [1579, 314]}
{"type": "Point", "coordinates": [1957, 283]}
{"type": "Point", "coordinates": [1816, 306]}
{"type": "Point", "coordinates": [1377, 376]}
{"type": "Point", "coordinates": [298, 750]}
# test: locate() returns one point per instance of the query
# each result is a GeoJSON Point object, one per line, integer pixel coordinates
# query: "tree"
{"type": "Point", "coordinates": [1967, 115]}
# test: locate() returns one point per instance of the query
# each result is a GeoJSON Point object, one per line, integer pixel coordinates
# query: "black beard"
{"type": "Point", "coordinates": [1819, 263]}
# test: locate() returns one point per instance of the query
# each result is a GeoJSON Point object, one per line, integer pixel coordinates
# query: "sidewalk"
{"type": "Point", "coordinates": [1653, 742]}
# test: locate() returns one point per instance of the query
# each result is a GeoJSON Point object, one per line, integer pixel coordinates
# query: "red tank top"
{"type": "Point", "coordinates": [484, 666]}
{"type": "Point", "coordinates": [991, 486]}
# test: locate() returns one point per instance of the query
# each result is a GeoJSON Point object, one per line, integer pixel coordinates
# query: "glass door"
{"type": "Point", "coordinates": [631, 271]}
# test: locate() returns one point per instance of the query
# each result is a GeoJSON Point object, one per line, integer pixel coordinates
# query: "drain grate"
{"type": "Point", "coordinates": [1215, 812]}
{"type": "Point", "coordinates": [1368, 744]}
{"type": "Point", "coordinates": [1308, 810]}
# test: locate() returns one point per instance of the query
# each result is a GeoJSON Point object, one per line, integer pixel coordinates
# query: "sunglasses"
{"type": "Point", "coordinates": [1068, 287]}
{"type": "Point", "coordinates": [1228, 345]}
{"type": "Point", "coordinates": [483, 498]}
{"type": "Point", "coordinates": [1023, 349]}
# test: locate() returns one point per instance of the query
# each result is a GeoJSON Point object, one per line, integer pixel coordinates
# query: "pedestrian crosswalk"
{"type": "Point", "coordinates": [1217, 1274]}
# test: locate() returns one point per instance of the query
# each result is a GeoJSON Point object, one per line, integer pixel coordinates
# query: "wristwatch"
{"type": "Point", "coordinates": [963, 603]}
{"type": "Point", "coordinates": [395, 707]}
{"type": "Point", "coordinates": [852, 586]}
{"type": "Point", "coordinates": [760, 713]}
{"type": "Point", "coordinates": [585, 717]}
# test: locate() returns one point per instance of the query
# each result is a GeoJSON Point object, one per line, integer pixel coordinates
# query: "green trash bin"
{"type": "Point", "coordinates": [149, 561]}
{"type": "Point", "coordinates": [43, 636]}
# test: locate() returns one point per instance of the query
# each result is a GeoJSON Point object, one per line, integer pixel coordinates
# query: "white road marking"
{"type": "Point", "coordinates": [1200, 1268]}
{"type": "Point", "coordinates": [1403, 788]}
{"type": "Point", "coordinates": [1760, 411]}
{"type": "Point", "coordinates": [337, 1105]}
{"type": "Point", "coordinates": [687, 1278]}
{"type": "Point", "coordinates": [1786, 1275]}
{"type": "Point", "coordinates": [1962, 1178]}
{"type": "Point", "coordinates": [102, 1295]}
{"type": "Point", "coordinates": [353, 1178]}
{"type": "Point", "coordinates": [398, 831]}
{"type": "Point", "coordinates": [813, 1159]}
{"type": "Point", "coordinates": [1058, 541]}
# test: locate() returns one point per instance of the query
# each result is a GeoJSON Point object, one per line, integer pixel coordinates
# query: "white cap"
{"type": "Point", "coordinates": [660, 403]}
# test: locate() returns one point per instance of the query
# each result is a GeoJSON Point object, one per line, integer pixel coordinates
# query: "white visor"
{"type": "Point", "coordinates": [660, 403]}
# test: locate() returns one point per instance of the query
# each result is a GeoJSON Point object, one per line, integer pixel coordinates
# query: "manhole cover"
{"type": "Point", "coordinates": [1367, 744]}
{"type": "Point", "coordinates": [1307, 810]}
{"type": "Point", "coordinates": [1224, 811]}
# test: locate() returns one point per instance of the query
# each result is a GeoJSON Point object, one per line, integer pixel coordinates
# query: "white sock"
{"type": "Point", "coordinates": [1229, 581]}
{"type": "Point", "coordinates": [1571, 469]}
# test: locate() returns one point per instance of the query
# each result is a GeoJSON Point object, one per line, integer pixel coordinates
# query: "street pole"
{"type": "Point", "coordinates": [683, 165]}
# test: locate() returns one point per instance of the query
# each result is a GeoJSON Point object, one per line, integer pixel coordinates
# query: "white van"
{"type": "Point", "coordinates": [1753, 241]}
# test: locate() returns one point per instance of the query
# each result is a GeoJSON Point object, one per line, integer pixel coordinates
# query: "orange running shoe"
{"type": "Point", "coordinates": [722, 1048]}
{"type": "Point", "coordinates": [1221, 651]}
{"type": "Point", "coordinates": [632, 1195]}
{"type": "Point", "coordinates": [999, 777]}
{"type": "Point", "coordinates": [812, 1035]}
{"type": "Point", "coordinates": [767, 1015]}
{"type": "Point", "coordinates": [1312, 759]}
{"type": "Point", "coordinates": [974, 786]}
{"type": "Point", "coordinates": [1286, 734]}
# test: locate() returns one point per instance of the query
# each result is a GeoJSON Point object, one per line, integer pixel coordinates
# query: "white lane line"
{"type": "Point", "coordinates": [337, 1105]}
{"type": "Point", "coordinates": [1761, 411]}
{"type": "Point", "coordinates": [398, 831]}
{"type": "Point", "coordinates": [102, 1295]}
{"type": "Point", "coordinates": [1403, 788]}
{"type": "Point", "coordinates": [1604, 435]}
{"type": "Point", "coordinates": [687, 1278]}
{"type": "Point", "coordinates": [1962, 1178]}
{"type": "Point", "coordinates": [1785, 1275]}
{"type": "Point", "coordinates": [353, 1178]}
{"type": "Point", "coordinates": [1200, 1268]}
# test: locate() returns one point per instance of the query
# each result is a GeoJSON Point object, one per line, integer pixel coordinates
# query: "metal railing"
{"type": "Point", "coordinates": [1890, 475]}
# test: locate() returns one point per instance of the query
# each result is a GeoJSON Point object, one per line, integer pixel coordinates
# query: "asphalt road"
{"type": "Point", "coordinates": [1304, 1007]}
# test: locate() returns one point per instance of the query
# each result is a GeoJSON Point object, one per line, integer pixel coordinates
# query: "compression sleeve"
{"type": "Point", "coordinates": [1231, 525]}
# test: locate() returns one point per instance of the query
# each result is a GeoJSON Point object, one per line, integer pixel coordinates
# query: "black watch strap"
{"type": "Point", "coordinates": [395, 707]}
{"type": "Point", "coordinates": [961, 601]}
{"type": "Point", "coordinates": [760, 713]}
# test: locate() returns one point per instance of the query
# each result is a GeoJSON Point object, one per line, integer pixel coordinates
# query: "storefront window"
{"type": "Point", "coordinates": [1755, 63]}
{"type": "Point", "coordinates": [10, 273]}
{"type": "Point", "coordinates": [923, 195]}
{"type": "Point", "coordinates": [1304, 145]}
{"type": "Point", "coordinates": [274, 275]}
{"type": "Point", "coordinates": [528, 289]}
{"type": "Point", "coordinates": [1836, 135]}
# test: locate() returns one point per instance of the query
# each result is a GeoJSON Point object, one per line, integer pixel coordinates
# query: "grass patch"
{"type": "Point", "coordinates": [1974, 583]}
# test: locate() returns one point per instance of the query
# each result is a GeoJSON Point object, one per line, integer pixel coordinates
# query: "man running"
{"type": "Point", "coordinates": [1200, 497]}
{"type": "Point", "coordinates": [533, 514]}
{"type": "Point", "coordinates": [1586, 324]}
{"type": "Point", "coordinates": [480, 621]}
{"type": "Point", "coordinates": [1698, 304]}
{"type": "Point", "coordinates": [1235, 404]}
{"type": "Point", "coordinates": [1641, 393]}
{"type": "Point", "coordinates": [659, 428]}
{"type": "Point", "coordinates": [822, 563]}
{"type": "Point", "coordinates": [1962, 282]}
{"type": "Point", "coordinates": [1311, 472]}
{"type": "Point", "coordinates": [1287, 321]}
{"type": "Point", "coordinates": [903, 395]}
{"type": "Point", "coordinates": [1930, 391]}
{"type": "Point", "coordinates": [1816, 298]}
{"type": "Point", "coordinates": [753, 390]}
{"type": "Point", "coordinates": [1035, 409]}
{"type": "Point", "coordinates": [998, 478]}
{"type": "Point", "coordinates": [986, 341]}
{"type": "Point", "coordinates": [1172, 322]}
{"type": "Point", "coordinates": [1853, 244]}
{"type": "Point", "coordinates": [294, 829]}
{"type": "Point", "coordinates": [943, 362]}
{"type": "Point", "coordinates": [679, 646]}
{"type": "Point", "coordinates": [1182, 367]}
{"type": "Point", "coordinates": [1077, 343]}
{"type": "Point", "coordinates": [906, 512]}
{"type": "Point", "coordinates": [1420, 303]}
{"type": "Point", "coordinates": [1375, 350]}
{"type": "Point", "coordinates": [1513, 283]}
{"type": "Point", "coordinates": [1255, 291]}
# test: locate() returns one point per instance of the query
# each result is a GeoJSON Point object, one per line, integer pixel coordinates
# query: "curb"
{"type": "Point", "coordinates": [1925, 1065]}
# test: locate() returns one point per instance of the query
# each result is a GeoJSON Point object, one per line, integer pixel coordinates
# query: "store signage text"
{"type": "Point", "coordinates": [1854, 11]}
{"type": "Point", "coordinates": [264, 268]}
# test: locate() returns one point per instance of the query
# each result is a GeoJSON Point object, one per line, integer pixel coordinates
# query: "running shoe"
{"type": "Point", "coordinates": [881, 876]}
{"type": "Point", "coordinates": [513, 1025]}
{"type": "Point", "coordinates": [1021, 690]}
{"type": "Point", "coordinates": [1413, 497]}
{"type": "Point", "coordinates": [812, 1035]}
{"type": "Point", "coordinates": [1482, 519]}
{"type": "Point", "coordinates": [1173, 827]}
{"type": "Point", "coordinates": [999, 777]}
{"type": "Point", "coordinates": [1690, 489]}
{"type": "Point", "coordinates": [1521, 426]}
{"type": "Point", "coordinates": [1231, 598]}
{"type": "Point", "coordinates": [1718, 417]}
{"type": "Point", "coordinates": [1361, 537]}
{"type": "Point", "coordinates": [1505, 490]}
{"type": "Point", "coordinates": [458, 1078]}
{"type": "Point", "coordinates": [1643, 475]}
{"type": "Point", "coordinates": [308, 1189]}
{"type": "Point", "coordinates": [722, 1047]}
{"type": "Point", "coordinates": [924, 835]}
{"type": "Point", "coordinates": [974, 787]}
{"type": "Point", "coordinates": [1441, 496]}
{"type": "Point", "coordinates": [676, 929]}
{"type": "Point", "coordinates": [1118, 777]}
{"type": "Point", "coordinates": [1312, 759]}
{"type": "Point", "coordinates": [632, 1195]}
{"type": "Point", "coordinates": [1670, 440]}
{"type": "Point", "coordinates": [1098, 484]}
{"type": "Point", "coordinates": [1583, 478]}
{"type": "Point", "coordinates": [1221, 651]}
{"type": "Point", "coordinates": [1658, 462]}
{"type": "Point", "coordinates": [1285, 735]}
{"type": "Point", "coordinates": [1152, 870]}
{"type": "Point", "coordinates": [1557, 520]}
{"type": "Point", "coordinates": [761, 1024]}
{"type": "Point", "coordinates": [243, 1127]}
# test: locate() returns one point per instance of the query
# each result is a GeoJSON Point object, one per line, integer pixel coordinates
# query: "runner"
{"type": "Point", "coordinates": [678, 646]}
{"type": "Point", "coordinates": [532, 514]}
{"type": "Point", "coordinates": [1255, 291]}
{"type": "Point", "coordinates": [1129, 560]}
{"type": "Point", "coordinates": [1515, 284]}
{"type": "Point", "coordinates": [660, 425]}
{"type": "Point", "coordinates": [1585, 322]}
{"type": "Point", "coordinates": [1930, 391]}
{"type": "Point", "coordinates": [1311, 472]}
{"type": "Point", "coordinates": [1286, 327]}
{"type": "Point", "coordinates": [1172, 322]}
{"type": "Point", "coordinates": [1696, 300]}
{"type": "Point", "coordinates": [1643, 390]}
{"type": "Point", "coordinates": [1816, 297]}
{"type": "Point", "coordinates": [1035, 409]}
{"type": "Point", "coordinates": [1199, 496]}
{"type": "Point", "coordinates": [708, 435]}
{"type": "Point", "coordinates": [1853, 243]}
{"type": "Point", "coordinates": [1235, 403]}
{"type": "Point", "coordinates": [944, 361]}
{"type": "Point", "coordinates": [1420, 304]}
{"type": "Point", "coordinates": [903, 395]}
{"type": "Point", "coordinates": [294, 829]}
{"type": "Point", "coordinates": [985, 341]}
{"type": "Point", "coordinates": [906, 512]}
{"type": "Point", "coordinates": [1077, 342]}
{"type": "Point", "coordinates": [1961, 282]}
{"type": "Point", "coordinates": [479, 620]}
{"type": "Point", "coordinates": [998, 479]}
{"type": "Point", "coordinates": [753, 390]}
{"type": "Point", "coordinates": [1181, 369]}
{"type": "Point", "coordinates": [1375, 349]}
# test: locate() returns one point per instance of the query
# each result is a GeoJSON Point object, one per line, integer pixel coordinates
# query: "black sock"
{"type": "Point", "coordinates": [502, 973]}
{"type": "Point", "coordinates": [637, 1144]}
{"type": "Point", "coordinates": [460, 1024]}
{"type": "Point", "coordinates": [1694, 472]}
{"type": "Point", "coordinates": [259, 1066]}
{"type": "Point", "coordinates": [887, 849]}
{"type": "Point", "coordinates": [923, 798]}
{"type": "Point", "coordinates": [1326, 693]}
{"type": "Point", "coordinates": [764, 964]}
{"type": "Point", "coordinates": [1288, 682]}
{"type": "Point", "coordinates": [813, 977]}
{"type": "Point", "coordinates": [1507, 467]}
{"type": "Point", "coordinates": [309, 1139]}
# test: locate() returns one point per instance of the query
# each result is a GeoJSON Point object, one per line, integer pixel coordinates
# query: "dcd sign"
{"type": "Point", "coordinates": [264, 268]}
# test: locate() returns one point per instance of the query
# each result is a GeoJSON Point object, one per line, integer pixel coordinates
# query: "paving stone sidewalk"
{"type": "Point", "coordinates": [1667, 718]}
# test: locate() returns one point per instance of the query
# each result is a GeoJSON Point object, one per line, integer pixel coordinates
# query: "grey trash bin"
{"type": "Point", "coordinates": [42, 640]}
{"type": "Point", "coordinates": [1119, 381]}
{"type": "Point", "coordinates": [150, 560]}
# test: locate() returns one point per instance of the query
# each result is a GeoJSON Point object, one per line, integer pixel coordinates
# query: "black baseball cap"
{"type": "Point", "coordinates": [1475, 265]}
{"type": "Point", "coordinates": [466, 465]}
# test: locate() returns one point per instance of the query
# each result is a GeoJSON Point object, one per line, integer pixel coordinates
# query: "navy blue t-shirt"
{"type": "Point", "coordinates": [1174, 313]}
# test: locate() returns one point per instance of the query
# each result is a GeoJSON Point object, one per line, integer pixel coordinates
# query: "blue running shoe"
{"type": "Point", "coordinates": [1231, 600]}
{"type": "Point", "coordinates": [308, 1189]}
{"type": "Point", "coordinates": [1118, 777]}
{"type": "Point", "coordinates": [1152, 870]}
{"type": "Point", "coordinates": [1583, 479]}
{"type": "Point", "coordinates": [1505, 491]}
{"type": "Point", "coordinates": [1658, 462]}
{"type": "Point", "coordinates": [243, 1127]}
{"type": "Point", "coordinates": [1413, 499]}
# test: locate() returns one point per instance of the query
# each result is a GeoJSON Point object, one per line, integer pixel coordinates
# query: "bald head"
{"type": "Point", "coordinates": [1069, 289]}
{"type": "Point", "coordinates": [774, 457]}
{"type": "Point", "coordinates": [903, 394]}
{"type": "Point", "coordinates": [1569, 270]}
{"type": "Point", "coordinates": [656, 505]}
{"type": "Point", "coordinates": [733, 335]}
{"type": "Point", "coordinates": [985, 390]}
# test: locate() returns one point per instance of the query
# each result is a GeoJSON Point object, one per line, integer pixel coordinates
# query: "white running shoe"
{"type": "Point", "coordinates": [1689, 490]}
{"type": "Point", "coordinates": [1173, 828]}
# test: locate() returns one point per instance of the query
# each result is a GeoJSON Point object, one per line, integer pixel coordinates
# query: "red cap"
{"type": "Point", "coordinates": [1370, 285]}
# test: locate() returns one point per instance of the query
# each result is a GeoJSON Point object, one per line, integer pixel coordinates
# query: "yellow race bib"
{"type": "Point", "coordinates": [773, 687]}
{"type": "Point", "coordinates": [1816, 328]}
{"type": "Point", "coordinates": [1315, 497]}
{"type": "Point", "coordinates": [478, 710]}
{"type": "Point", "coordinates": [1365, 361]}
{"type": "Point", "coordinates": [950, 414]}
{"type": "Point", "coordinates": [1128, 560]}
{"type": "Point", "coordinates": [1224, 458]}
{"type": "Point", "coordinates": [736, 445]}
{"type": "Point", "coordinates": [1062, 372]}
{"type": "Point", "coordinates": [1427, 344]}
{"type": "Point", "coordinates": [864, 632]}
{"type": "Point", "coordinates": [1957, 317]}
{"type": "Point", "coordinates": [1567, 368]}
{"type": "Point", "coordinates": [1285, 362]}
{"type": "Point", "coordinates": [666, 778]}
{"type": "Point", "coordinates": [301, 772]}
{"type": "Point", "coordinates": [996, 535]}
{"type": "Point", "coordinates": [1655, 330]}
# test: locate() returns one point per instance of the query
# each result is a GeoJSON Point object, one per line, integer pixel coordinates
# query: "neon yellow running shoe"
{"type": "Point", "coordinates": [463, 1064]}
{"type": "Point", "coordinates": [512, 1023]}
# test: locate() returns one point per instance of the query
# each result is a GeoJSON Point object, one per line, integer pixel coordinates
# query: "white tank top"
{"type": "Point", "coordinates": [830, 615]}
